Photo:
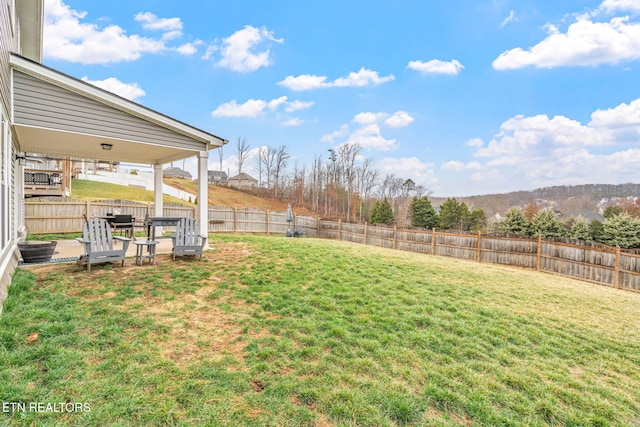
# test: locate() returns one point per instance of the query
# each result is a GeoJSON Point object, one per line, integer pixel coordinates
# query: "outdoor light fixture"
{"type": "Point", "coordinates": [106, 146]}
{"type": "Point", "coordinates": [22, 160]}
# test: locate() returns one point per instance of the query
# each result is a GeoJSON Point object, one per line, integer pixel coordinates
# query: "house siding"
{"type": "Point", "coordinates": [11, 199]}
{"type": "Point", "coordinates": [41, 104]}
{"type": "Point", "coordinates": [7, 44]}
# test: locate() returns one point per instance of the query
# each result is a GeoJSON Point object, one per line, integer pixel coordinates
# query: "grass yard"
{"type": "Point", "coordinates": [269, 331]}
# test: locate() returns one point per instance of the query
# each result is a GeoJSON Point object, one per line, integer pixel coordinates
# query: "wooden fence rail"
{"type": "Point", "coordinates": [600, 264]}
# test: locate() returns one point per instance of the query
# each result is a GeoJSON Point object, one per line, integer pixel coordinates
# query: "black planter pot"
{"type": "Point", "coordinates": [34, 251]}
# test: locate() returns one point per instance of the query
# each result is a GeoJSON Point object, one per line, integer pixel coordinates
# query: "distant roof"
{"type": "Point", "coordinates": [222, 174]}
{"type": "Point", "coordinates": [176, 172]}
{"type": "Point", "coordinates": [242, 177]}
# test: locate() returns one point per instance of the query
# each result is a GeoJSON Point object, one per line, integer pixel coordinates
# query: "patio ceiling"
{"type": "Point", "coordinates": [58, 115]}
{"type": "Point", "coordinates": [89, 147]}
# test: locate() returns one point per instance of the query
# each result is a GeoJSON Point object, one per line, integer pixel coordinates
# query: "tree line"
{"type": "Point", "coordinates": [345, 185]}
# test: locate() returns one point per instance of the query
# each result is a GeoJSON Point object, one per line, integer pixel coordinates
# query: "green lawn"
{"type": "Point", "coordinates": [270, 331]}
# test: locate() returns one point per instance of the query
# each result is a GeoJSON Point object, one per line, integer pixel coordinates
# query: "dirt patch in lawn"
{"type": "Point", "coordinates": [197, 326]}
{"type": "Point", "coordinates": [202, 324]}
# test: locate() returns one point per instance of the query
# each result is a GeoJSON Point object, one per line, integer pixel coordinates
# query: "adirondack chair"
{"type": "Point", "coordinates": [98, 243]}
{"type": "Point", "coordinates": [186, 240]}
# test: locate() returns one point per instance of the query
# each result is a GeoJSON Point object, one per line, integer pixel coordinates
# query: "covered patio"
{"type": "Point", "coordinates": [58, 115]}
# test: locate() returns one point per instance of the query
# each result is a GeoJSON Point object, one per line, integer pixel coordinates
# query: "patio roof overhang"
{"type": "Point", "coordinates": [59, 115]}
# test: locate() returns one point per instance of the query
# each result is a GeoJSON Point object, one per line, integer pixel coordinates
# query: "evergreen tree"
{"type": "Point", "coordinates": [516, 223]}
{"type": "Point", "coordinates": [611, 211]}
{"type": "Point", "coordinates": [454, 215]}
{"type": "Point", "coordinates": [547, 225]}
{"type": "Point", "coordinates": [422, 213]}
{"type": "Point", "coordinates": [580, 229]}
{"type": "Point", "coordinates": [595, 230]}
{"type": "Point", "coordinates": [382, 213]}
{"type": "Point", "coordinates": [478, 220]}
{"type": "Point", "coordinates": [622, 230]}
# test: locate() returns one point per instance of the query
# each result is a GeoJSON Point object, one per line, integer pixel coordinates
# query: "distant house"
{"type": "Point", "coordinates": [218, 177]}
{"type": "Point", "coordinates": [176, 173]}
{"type": "Point", "coordinates": [243, 181]}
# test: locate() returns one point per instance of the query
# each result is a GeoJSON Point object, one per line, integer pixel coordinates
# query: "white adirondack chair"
{"type": "Point", "coordinates": [187, 240]}
{"type": "Point", "coordinates": [98, 243]}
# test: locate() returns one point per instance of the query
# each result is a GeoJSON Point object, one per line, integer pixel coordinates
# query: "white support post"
{"type": "Point", "coordinates": [157, 191]}
{"type": "Point", "coordinates": [203, 192]}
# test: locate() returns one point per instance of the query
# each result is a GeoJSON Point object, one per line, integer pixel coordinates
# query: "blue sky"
{"type": "Point", "coordinates": [462, 97]}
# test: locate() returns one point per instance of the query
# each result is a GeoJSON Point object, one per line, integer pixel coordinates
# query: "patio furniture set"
{"type": "Point", "coordinates": [98, 238]}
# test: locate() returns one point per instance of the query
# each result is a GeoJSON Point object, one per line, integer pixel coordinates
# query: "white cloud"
{"type": "Point", "coordinates": [489, 176]}
{"type": "Point", "coordinates": [368, 134]}
{"type": "Point", "coordinates": [298, 105]}
{"type": "Point", "coordinates": [613, 6]}
{"type": "Point", "coordinates": [129, 91]}
{"type": "Point", "coordinates": [620, 116]}
{"type": "Point", "coordinates": [152, 22]}
{"type": "Point", "coordinates": [245, 50]}
{"type": "Point", "coordinates": [453, 165]}
{"type": "Point", "coordinates": [541, 151]}
{"type": "Point", "coordinates": [420, 172]}
{"type": "Point", "coordinates": [370, 137]}
{"type": "Point", "coordinates": [187, 49]}
{"type": "Point", "coordinates": [67, 37]}
{"type": "Point", "coordinates": [399, 119]}
{"type": "Point", "coordinates": [509, 19]}
{"type": "Point", "coordinates": [304, 82]}
{"type": "Point", "coordinates": [251, 108]}
{"type": "Point", "coordinates": [362, 78]}
{"type": "Point", "coordinates": [340, 133]}
{"type": "Point", "coordinates": [255, 107]}
{"type": "Point", "coordinates": [292, 122]}
{"type": "Point", "coordinates": [368, 118]}
{"type": "Point", "coordinates": [475, 142]}
{"type": "Point", "coordinates": [585, 43]}
{"type": "Point", "coordinates": [275, 103]}
{"type": "Point", "coordinates": [436, 66]}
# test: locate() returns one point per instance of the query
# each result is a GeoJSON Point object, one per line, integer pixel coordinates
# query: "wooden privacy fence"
{"type": "Point", "coordinates": [600, 264]}
{"type": "Point", "coordinates": [56, 216]}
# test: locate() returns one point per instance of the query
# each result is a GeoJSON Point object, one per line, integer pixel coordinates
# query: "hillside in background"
{"type": "Point", "coordinates": [586, 200]}
{"type": "Point", "coordinates": [571, 200]}
{"type": "Point", "coordinates": [218, 196]}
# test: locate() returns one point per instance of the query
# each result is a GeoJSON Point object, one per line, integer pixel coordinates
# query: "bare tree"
{"type": "Point", "coordinates": [220, 156]}
{"type": "Point", "coordinates": [280, 163]}
{"type": "Point", "coordinates": [347, 155]}
{"type": "Point", "coordinates": [262, 151]}
{"type": "Point", "coordinates": [242, 147]}
{"type": "Point", "coordinates": [367, 178]}
{"type": "Point", "coordinates": [267, 159]}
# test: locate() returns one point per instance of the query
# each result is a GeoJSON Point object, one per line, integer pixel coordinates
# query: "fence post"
{"type": "Point", "coordinates": [267, 222]}
{"type": "Point", "coordinates": [539, 254]}
{"type": "Point", "coordinates": [616, 278]}
{"type": "Point", "coordinates": [433, 241]}
{"type": "Point", "coordinates": [235, 220]}
{"type": "Point", "coordinates": [87, 208]}
{"type": "Point", "coordinates": [318, 227]}
{"type": "Point", "coordinates": [395, 236]}
{"type": "Point", "coordinates": [365, 232]}
{"type": "Point", "coordinates": [339, 229]}
{"type": "Point", "coordinates": [479, 247]}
